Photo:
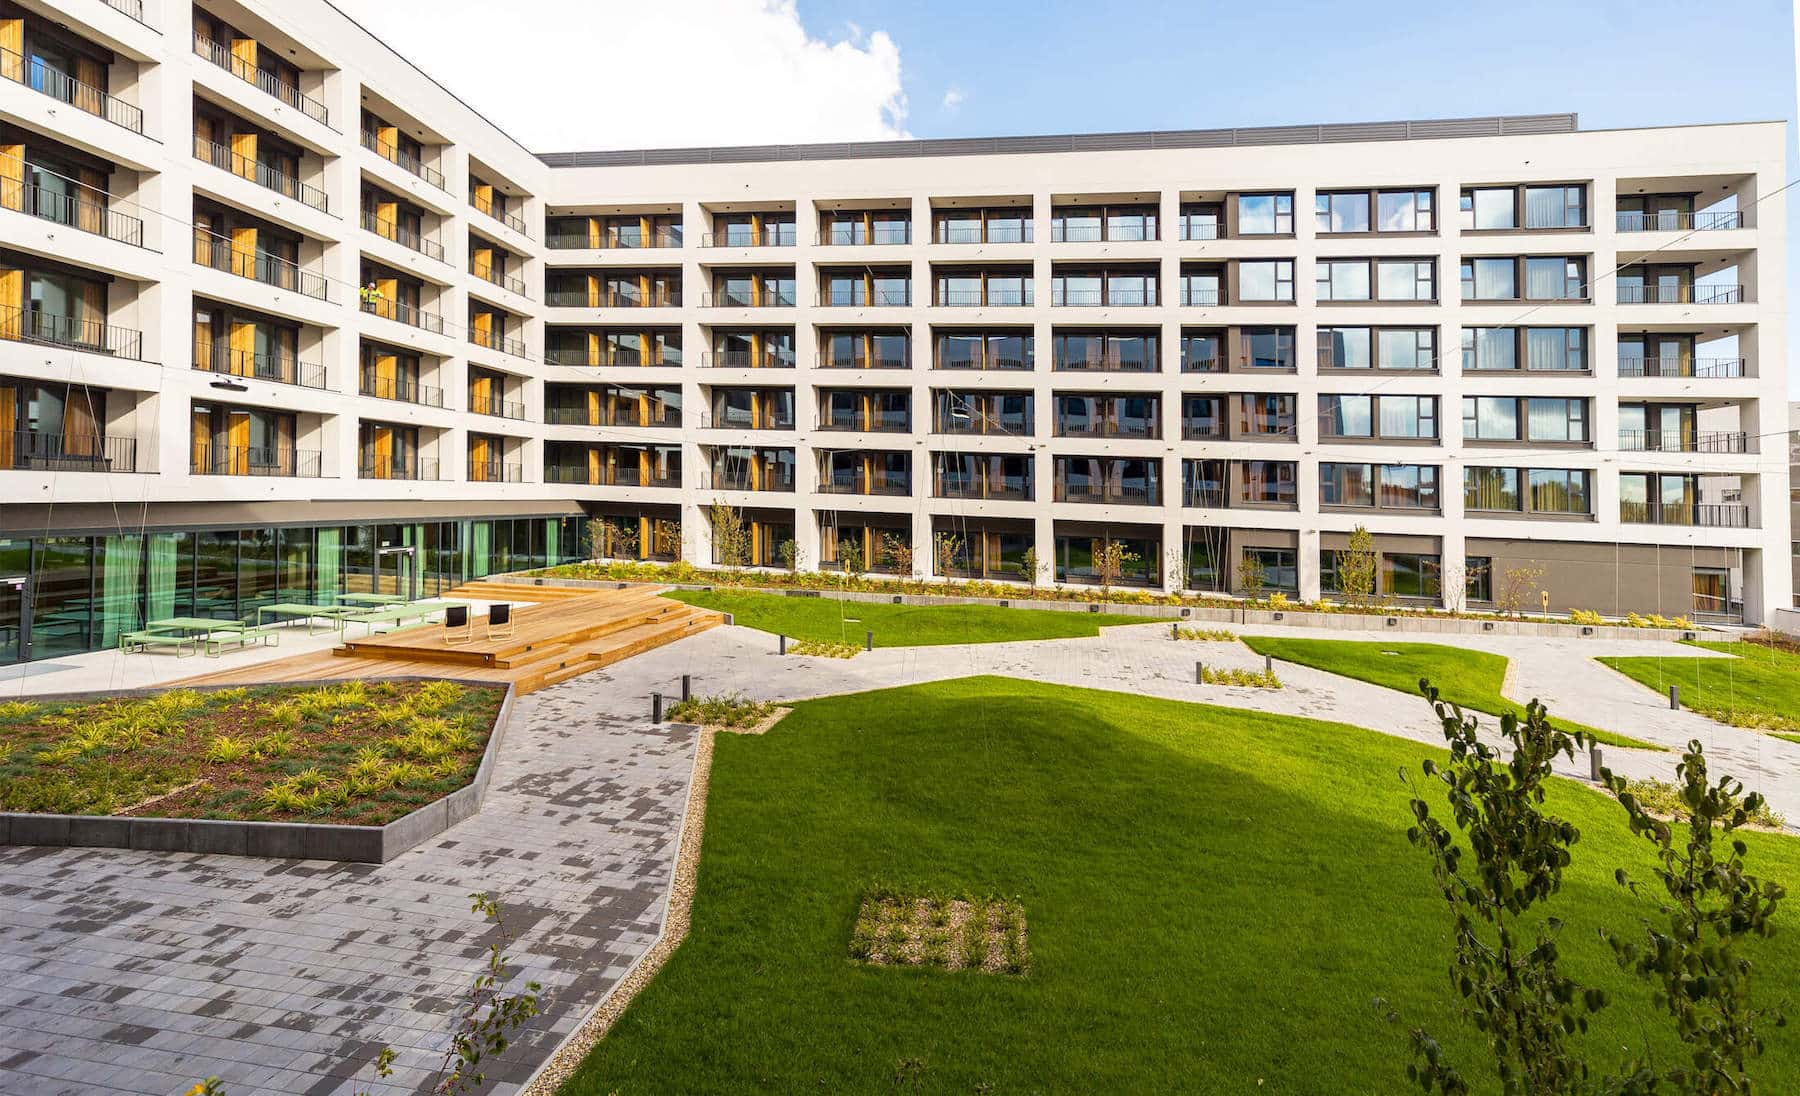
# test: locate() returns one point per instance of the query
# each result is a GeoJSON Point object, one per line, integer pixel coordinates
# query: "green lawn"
{"type": "Point", "coordinates": [1213, 898]}
{"type": "Point", "coordinates": [828, 620]}
{"type": "Point", "coordinates": [1759, 688]}
{"type": "Point", "coordinates": [1469, 678]}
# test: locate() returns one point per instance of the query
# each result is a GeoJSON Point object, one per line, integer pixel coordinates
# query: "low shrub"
{"type": "Point", "coordinates": [1663, 799]}
{"type": "Point", "coordinates": [721, 711]}
{"type": "Point", "coordinates": [1206, 635]}
{"type": "Point", "coordinates": [820, 649]}
{"type": "Point", "coordinates": [1253, 679]}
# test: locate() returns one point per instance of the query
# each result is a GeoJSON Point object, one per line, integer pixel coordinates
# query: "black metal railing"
{"type": "Point", "coordinates": [770, 235]}
{"type": "Point", "coordinates": [765, 298]}
{"type": "Point", "coordinates": [584, 357]}
{"type": "Point", "coordinates": [1107, 427]}
{"type": "Point", "coordinates": [95, 336]}
{"type": "Point", "coordinates": [280, 368]}
{"type": "Point", "coordinates": [1676, 220]}
{"type": "Point", "coordinates": [855, 236]}
{"type": "Point", "coordinates": [748, 359]}
{"type": "Point", "coordinates": [397, 468]}
{"type": "Point", "coordinates": [1098, 298]}
{"type": "Point", "coordinates": [1064, 233]}
{"type": "Point", "coordinates": [493, 340]}
{"type": "Point", "coordinates": [1005, 488]}
{"type": "Point", "coordinates": [246, 460]}
{"type": "Point", "coordinates": [261, 174]}
{"type": "Point", "coordinates": [1716, 515]}
{"type": "Point", "coordinates": [1681, 294]}
{"type": "Point", "coordinates": [72, 210]}
{"type": "Point", "coordinates": [405, 237]}
{"type": "Point", "coordinates": [62, 87]}
{"type": "Point", "coordinates": [1702, 368]}
{"type": "Point", "coordinates": [38, 451]}
{"type": "Point", "coordinates": [989, 298]}
{"type": "Point", "coordinates": [493, 471]}
{"type": "Point", "coordinates": [500, 213]}
{"type": "Point", "coordinates": [774, 479]}
{"type": "Point", "coordinates": [856, 298]}
{"type": "Point", "coordinates": [1685, 441]}
{"type": "Point", "coordinates": [406, 161]}
{"type": "Point", "coordinates": [877, 422]}
{"type": "Point", "coordinates": [874, 361]}
{"type": "Point", "coordinates": [1107, 362]}
{"type": "Point", "coordinates": [494, 405]}
{"type": "Point", "coordinates": [610, 240]}
{"type": "Point", "coordinates": [616, 476]}
{"type": "Point", "coordinates": [1208, 496]}
{"type": "Point", "coordinates": [218, 252]}
{"type": "Point", "coordinates": [853, 482]}
{"type": "Point", "coordinates": [612, 298]}
{"type": "Point", "coordinates": [133, 8]}
{"type": "Point", "coordinates": [1116, 494]}
{"type": "Point", "coordinates": [978, 234]}
{"type": "Point", "coordinates": [739, 419]}
{"type": "Point", "coordinates": [496, 277]}
{"type": "Point", "coordinates": [1197, 297]}
{"type": "Point", "coordinates": [401, 390]}
{"type": "Point", "coordinates": [221, 56]}
{"type": "Point", "coordinates": [401, 312]}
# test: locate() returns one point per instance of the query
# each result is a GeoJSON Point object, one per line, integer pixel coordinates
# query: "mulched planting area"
{"type": "Point", "coordinates": [960, 933]}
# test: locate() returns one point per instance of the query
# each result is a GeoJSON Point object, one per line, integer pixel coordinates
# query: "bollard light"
{"type": "Point", "coordinates": [1174, 631]}
{"type": "Point", "coordinates": [1674, 698]}
{"type": "Point", "coordinates": [1199, 673]}
{"type": "Point", "coordinates": [868, 641]}
{"type": "Point", "coordinates": [1269, 664]}
{"type": "Point", "coordinates": [1595, 763]}
{"type": "Point", "coordinates": [687, 688]}
{"type": "Point", "coordinates": [656, 707]}
{"type": "Point", "coordinates": [783, 649]}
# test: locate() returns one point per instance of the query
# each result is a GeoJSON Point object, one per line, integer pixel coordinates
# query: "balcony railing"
{"type": "Point", "coordinates": [1199, 230]}
{"type": "Point", "coordinates": [64, 88]}
{"type": "Point", "coordinates": [1107, 427]}
{"type": "Point", "coordinates": [1679, 441]}
{"type": "Point", "coordinates": [1702, 368]}
{"type": "Point", "coordinates": [874, 361]}
{"type": "Point", "coordinates": [493, 405]}
{"type": "Point", "coordinates": [1109, 361]}
{"type": "Point", "coordinates": [612, 298]}
{"type": "Point", "coordinates": [1006, 488]}
{"type": "Point", "coordinates": [38, 451]}
{"type": "Point", "coordinates": [19, 325]}
{"type": "Point", "coordinates": [978, 423]}
{"type": "Point", "coordinates": [1211, 496]}
{"type": "Point", "coordinates": [584, 357]}
{"type": "Point", "coordinates": [1062, 233]}
{"type": "Point", "coordinates": [242, 460]}
{"type": "Point", "coordinates": [494, 341]}
{"type": "Point", "coordinates": [976, 298]}
{"type": "Point", "coordinates": [280, 368]}
{"type": "Point", "coordinates": [401, 312]}
{"type": "Point", "coordinates": [502, 214]}
{"type": "Point", "coordinates": [72, 210]}
{"type": "Point", "coordinates": [1681, 294]}
{"type": "Point", "coordinates": [855, 483]}
{"type": "Point", "coordinates": [607, 240]}
{"type": "Point", "coordinates": [769, 236]}
{"type": "Point", "coordinates": [219, 253]}
{"type": "Point", "coordinates": [133, 8]}
{"type": "Point", "coordinates": [400, 390]}
{"type": "Point", "coordinates": [1114, 494]}
{"type": "Point", "coordinates": [777, 478]}
{"type": "Point", "coordinates": [880, 298]}
{"type": "Point", "coordinates": [503, 280]}
{"type": "Point", "coordinates": [747, 359]}
{"type": "Point", "coordinates": [1202, 430]}
{"type": "Point", "coordinates": [877, 422]}
{"type": "Point", "coordinates": [1098, 298]}
{"type": "Point", "coordinates": [397, 468]}
{"type": "Point", "coordinates": [261, 174]}
{"type": "Point", "coordinates": [1715, 515]}
{"type": "Point", "coordinates": [222, 56]}
{"type": "Point", "coordinates": [406, 161]}
{"type": "Point", "coordinates": [617, 476]}
{"type": "Point", "coordinates": [767, 298]}
{"type": "Point", "coordinates": [1673, 220]}
{"type": "Point", "coordinates": [854, 236]}
{"type": "Point", "coordinates": [740, 420]}
{"type": "Point", "coordinates": [405, 237]}
{"type": "Point", "coordinates": [1201, 297]}
{"type": "Point", "coordinates": [974, 234]}
{"type": "Point", "coordinates": [493, 471]}
{"type": "Point", "coordinates": [609, 414]}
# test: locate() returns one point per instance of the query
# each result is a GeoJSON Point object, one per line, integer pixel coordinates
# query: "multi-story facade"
{"type": "Point", "coordinates": [280, 316]}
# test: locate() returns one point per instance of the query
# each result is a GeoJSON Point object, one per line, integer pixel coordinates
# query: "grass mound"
{"type": "Point", "coordinates": [828, 620]}
{"type": "Point", "coordinates": [1758, 688]}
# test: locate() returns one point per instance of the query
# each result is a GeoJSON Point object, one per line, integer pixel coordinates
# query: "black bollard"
{"type": "Point", "coordinates": [1199, 673]}
{"type": "Point", "coordinates": [783, 649]}
{"type": "Point", "coordinates": [1174, 631]}
{"type": "Point", "coordinates": [1594, 764]}
{"type": "Point", "coordinates": [1674, 698]}
{"type": "Point", "coordinates": [1269, 664]}
{"type": "Point", "coordinates": [687, 688]}
{"type": "Point", "coordinates": [656, 707]}
{"type": "Point", "coordinates": [868, 641]}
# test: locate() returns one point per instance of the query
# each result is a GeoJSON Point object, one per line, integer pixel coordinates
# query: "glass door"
{"type": "Point", "coordinates": [1712, 591]}
{"type": "Point", "coordinates": [15, 586]}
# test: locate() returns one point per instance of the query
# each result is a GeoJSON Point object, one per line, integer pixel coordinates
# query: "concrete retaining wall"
{"type": "Point", "coordinates": [280, 840]}
{"type": "Point", "coordinates": [1786, 620]}
{"type": "Point", "coordinates": [1299, 618]}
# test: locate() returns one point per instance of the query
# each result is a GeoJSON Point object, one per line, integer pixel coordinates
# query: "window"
{"type": "Point", "coordinates": [1265, 415]}
{"type": "Point", "coordinates": [1410, 574]}
{"type": "Point", "coordinates": [1490, 418]}
{"type": "Point", "coordinates": [1342, 280]}
{"type": "Point", "coordinates": [1347, 416]}
{"type": "Point", "coordinates": [1343, 212]}
{"type": "Point", "coordinates": [1559, 490]}
{"type": "Point", "coordinates": [1489, 348]}
{"type": "Point", "coordinates": [1556, 207]}
{"type": "Point", "coordinates": [1406, 348]}
{"type": "Point", "coordinates": [1344, 348]}
{"type": "Point", "coordinates": [1404, 211]}
{"type": "Point", "coordinates": [1406, 279]}
{"type": "Point", "coordinates": [1556, 349]}
{"type": "Point", "coordinates": [1488, 208]}
{"type": "Point", "coordinates": [1408, 416]}
{"type": "Point", "coordinates": [1478, 577]}
{"type": "Point", "coordinates": [1202, 416]}
{"type": "Point", "coordinates": [1490, 489]}
{"type": "Point", "coordinates": [1269, 347]}
{"type": "Point", "coordinates": [1346, 484]}
{"type": "Point", "coordinates": [1409, 486]}
{"type": "Point", "coordinates": [1490, 280]}
{"type": "Point", "coordinates": [1277, 567]}
{"type": "Point", "coordinates": [1267, 483]}
{"type": "Point", "coordinates": [1199, 222]}
{"type": "Point", "coordinates": [1200, 288]}
{"type": "Point", "coordinates": [1555, 279]}
{"type": "Point", "coordinates": [1202, 352]}
{"type": "Point", "coordinates": [1265, 215]}
{"type": "Point", "coordinates": [1556, 420]}
{"type": "Point", "coordinates": [1266, 280]}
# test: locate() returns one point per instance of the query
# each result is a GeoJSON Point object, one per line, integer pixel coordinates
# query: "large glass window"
{"type": "Point", "coordinates": [1408, 416]}
{"type": "Point", "coordinates": [1202, 352]}
{"type": "Point", "coordinates": [1490, 280]}
{"type": "Point", "coordinates": [1490, 489]}
{"type": "Point", "coordinates": [1265, 415]}
{"type": "Point", "coordinates": [1279, 571]}
{"type": "Point", "coordinates": [1556, 349]}
{"type": "Point", "coordinates": [1559, 490]}
{"type": "Point", "coordinates": [1269, 347]}
{"type": "Point", "coordinates": [1556, 420]}
{"type": "Point", "coordinates": [1555, 278]}
{"type": "Point", "coordinates": [1404, 211]}
{"type": "Point", "coordinates": [1488, 208]}
{"type": "Point", "coordinates": [1406, 279]}
{"type": "Point", "coordinates": [1489, 348]}
{"type": "Point", "coordinates": [1343, 212]}
{"type": "Point", "coordinates": [1411, 574]}
{"type": "Point", "coordinates": [1407, 348]}
{"type": "Point", "coordinates": [1266, 280]}
{"type": "Point", "coordinates": [1409, 486]}
{"type": "Point", "coordinates": [1346, 484]}
{"type": "Point", "coordinates": [1490, 418]}
{"type": "Point", "coordinates": [1265, 215]}
{"type": "Point", "coordinates": [1344, 348]}
{"type": "Point", "coordinates": [1342, 280]}
{"type": "Point", "coordinates": [1555, 207]}
{"type": "Point", "coordinates": [1266, 482]}
{"type": "Point", "coordinates": [1347, 416]}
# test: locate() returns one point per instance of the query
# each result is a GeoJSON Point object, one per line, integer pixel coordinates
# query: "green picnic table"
{"type": "Point", "coordinates": [336, 614]}
{"type": "Point", "coordinates": [400, 614]}
{"type": "Point", "coordinates": [372, 599]}
{"type": "Point", "coordinates": [194, 632]}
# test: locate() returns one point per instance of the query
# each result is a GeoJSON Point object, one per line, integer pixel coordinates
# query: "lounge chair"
{"type": "Point", "coordinates": [500, 621]}
{"type": "Point", "coordinates": [458, 628]}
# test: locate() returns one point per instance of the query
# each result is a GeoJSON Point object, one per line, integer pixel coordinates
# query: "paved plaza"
{"type": "Point", "coordinates": [142, 972]}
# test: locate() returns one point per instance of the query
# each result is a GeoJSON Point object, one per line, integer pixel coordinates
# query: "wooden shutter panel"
{"type": "Point", "coordinates": [594, 418]}
{"type": "Point", "coordinates": [243, 58]}
{"type": "Point", "coordinates": [593, 290]}
{"type": "Point", "coordinates": [387, 220]}
{"type": "Point", "coordinates": [12, 176]}
{"type": "Point", "coordinates": [593, 467]}
{"type": "Point", "coordinates": [481, 263]}
{"type": "Point", "coordinates": [243, 155]}
{"type": "Point", "coordinates": [484, 197]}
{"type": "Point", "coordinates": [596, 349]}
{"type": "Point", "coordinates": [243, 252]}
{"type": "Point", "coordinates": [12, 303]}
{"type": "Point", "coordinates": [203, 340]}
{"type": "Point", "coordinates": [237, 437]}
{"type": "Point", "coordinates": [79, 428]}
{"type": "Point", "coordinates": [389, 304]}
{"type": "Point", "coordinates": [90, 76]}
{"type": "Point", "coordinates": [387, 376]}
{"type": "Point", "coordinates": [384, 452]}
{"type": "Point", "coordinates": [479, 388]}
{"type": "Point", "coordinates": [387, 142]}
{"type": "Point", "coordinates": [284, 445]}
{"type": "Point", "coordinates": [478, 458]}
{"type": "Point", "coordinates": [243, 349]}
{"type": "Point", "coordinates": [90, 214]}
{"type": "Point", "coordinates": [201, 438]}
{"type": "Point", "coordinates": [484, 328]}
{"type": "Point", "coordinates": [595, 232]}
{"type": "Point", "coordinates": [9, 419]}
{"type": "Point", "coordinates": [12, 42]}
{"type": "Point", "coordinates": [91, 322]}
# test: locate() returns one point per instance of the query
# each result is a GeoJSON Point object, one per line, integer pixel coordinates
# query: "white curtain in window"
{"type": "Point", "coordinates": [1544, 279]}
{"type": "Point", "coordinates": [1399, 416]}
{"type": "Point", "coordinates": [1547, 420]}
{"type": "Point", "coordinates": [1544, 207]}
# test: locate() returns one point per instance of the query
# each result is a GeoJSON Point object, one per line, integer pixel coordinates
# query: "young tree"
{"type": "Point", "coordinates": [850, 557]}
{"type": "Point", "coordinates": [1357, 569]}
{"type": "Point", "coordinates": [790, 555]}
{"type": "Point", "coordinates": [1517, 584]}
{"type": "Point", "coordinates": [1251, 576]}
{"type": "Point", "coordinates": [898, 552]}
{"type": "Point", "coordinates": [1111, 558]}
{"type": "Point", "coordinates": [1028, 565]}
{"type": "Point", "coordinates": [731, 537]}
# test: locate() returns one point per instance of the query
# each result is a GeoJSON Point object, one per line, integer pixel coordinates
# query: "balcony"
{"type": "Point", "coordinates": [1107, 492]}
{"type": "Point", "coordinates": [397, 468]}
{"type": "Point", "coordinates": [405, 237]}
{"type": "Point", "coordinates": [875, 422]}
{"type": "Point", "coordinates": [739, 418]}
{"type": "Point", "coordinates": [1201, 296]}
{"type": "Point", "coordinates": [71, 210]}
{"type": "Point", "coordinates": [872, 361]}
{"type": "Point", "coordinates": [49, 329]}
{"type": "Point", "coordinates": [400, 391]}
{"type": "Point", "coordinates": [956, 485]}
{"type": "Point", "coordinates": [1699, 368]}
{"type": "Point", "coordinates": [590, 358]}
{"type": "Point", "coordinates": [747, 298]}
{"type": "Point", "coordinates": [495, 277]}
{"type": "Point", "coordinates": [899, 297]}
{"type": "Point", "coordinates": [495, 406]}
{"type": "Point", "coordinates": [406, 161]}
{"type": "Point", "coordinates": [261, 174]}
{"type": "Point", "coordinates": [1681, 294]}
{"type": "Point", "coordinates": [1107, 426]}
{"type": "Point", "coordinates": [1205, 496]}
{"type": "Point", "coordinates": [132, 8]}
{"type": "Point", "coordinates": [241, 460]}
{"type": "Point", "coordinates": [854, 235]}
{"type": "Point", "coordinates": [64, 88]}
{"type": "Point", "coordinates": [222, 56]}
{"type": "Point", "coordinates": [401, 312]}
{"type": "Point", "coordinates": [615, 414]}
{"type": "Point", "coordinates": [564, 239]}
{"type": "Point", "coordinates": [217, 252]}
{"type": "Point", "coordinates": [1710, 515]}
{"type": "Point", "coordinates": [991, 297]}
{"type": "Point", "coordinates": [767, 235]}
{"type": "Point", "coordinates": [776, 478]}
{"type": "Point", "coordinates": [1109, 361]}
{"type": "Point", "coordinates": [748, 359]}
{"type": "Point", "coordinates": [619, 475]}
{"type": "Point", "coordinates": [1671, 220]}
{"type": "Point", "coordinates": [499, 213]}
{"type": "Point", "coordinates": [493, 471]}
{"type": "Point", "coordinates": [854, 482]}
{"type": "Point", "coordinates": [37, 451]}
{"type": "Point", "coordinates": [280, 368]}
{"type": "Point", "coordinates": [660, 297]}
{"type": "Point", "coordinates": [494, 341]}
{"type": "Point", "coordinates": [1684, 441]}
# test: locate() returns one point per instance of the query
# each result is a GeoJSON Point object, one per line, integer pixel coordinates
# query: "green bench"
{"type": "Point", "coordinates": [141, 642]}
{"type": "Point", "coordinates": [261, 633]}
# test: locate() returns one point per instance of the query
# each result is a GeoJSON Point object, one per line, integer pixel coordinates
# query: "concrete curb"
{"type": "Point", "coordinates": [1396, 623]}
{"type": "Point", "coordinates": [275, 840]}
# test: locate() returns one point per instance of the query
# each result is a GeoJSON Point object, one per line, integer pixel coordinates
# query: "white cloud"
{"type": "Point", "coordinates": [953, 99]}
{"type": "Point", "coordinates": [579, 74]}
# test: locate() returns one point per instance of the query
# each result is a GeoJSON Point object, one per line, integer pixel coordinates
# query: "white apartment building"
{"type": "Point", "coordinates": [280, 317]}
